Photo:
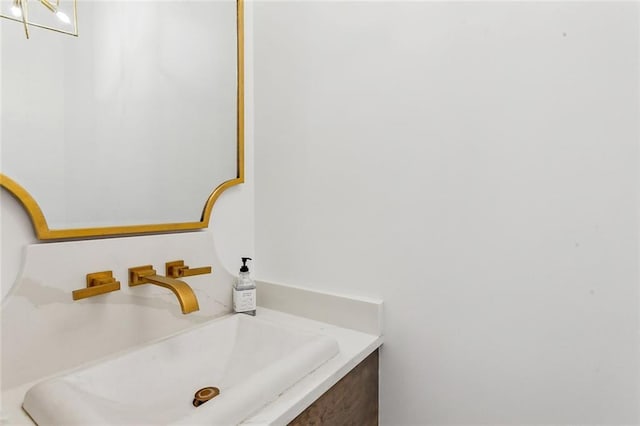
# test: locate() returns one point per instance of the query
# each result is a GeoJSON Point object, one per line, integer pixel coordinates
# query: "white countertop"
{"type": "Point", "coordinates": [354, 346]}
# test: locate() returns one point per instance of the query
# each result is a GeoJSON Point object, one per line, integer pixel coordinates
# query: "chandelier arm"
{"type": "Point", "coordinates": [23, 12]}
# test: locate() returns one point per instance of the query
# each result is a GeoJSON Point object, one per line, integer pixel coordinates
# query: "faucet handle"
{"type": "Point", "coordinates": [177, 269]}
{"type": "Point", "coordinates": [97, 283]}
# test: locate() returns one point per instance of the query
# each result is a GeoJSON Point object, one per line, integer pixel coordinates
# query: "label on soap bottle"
{"type": "Point", "coordinates": [244, 300]}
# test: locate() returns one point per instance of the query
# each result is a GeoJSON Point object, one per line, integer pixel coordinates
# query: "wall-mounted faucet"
{"type": "Point", "coordinates": [147, 275]}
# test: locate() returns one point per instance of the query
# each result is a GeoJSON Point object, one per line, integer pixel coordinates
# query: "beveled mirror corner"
{"type": "Point", "coordinates": [46, 229]}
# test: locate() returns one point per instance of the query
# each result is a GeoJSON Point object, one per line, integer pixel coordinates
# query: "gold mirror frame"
{"type": "Point", "coordinates": [42, 230]}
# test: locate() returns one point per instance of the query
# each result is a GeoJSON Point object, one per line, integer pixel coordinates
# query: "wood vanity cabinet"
{"type": "Point", "coordinates": [351, 401]}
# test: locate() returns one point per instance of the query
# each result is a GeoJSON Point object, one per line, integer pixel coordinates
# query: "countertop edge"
{"type": "Point", "coordinates": [354, 345]}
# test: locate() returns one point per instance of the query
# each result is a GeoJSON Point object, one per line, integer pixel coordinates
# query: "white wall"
{"type": "Point", "coordinates": [476, 166]}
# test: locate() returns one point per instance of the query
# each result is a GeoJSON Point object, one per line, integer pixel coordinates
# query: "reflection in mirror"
{"type": "Point", "coordinates": [134, 122]}
{"type": "Point", "coordinates": [54, 15]}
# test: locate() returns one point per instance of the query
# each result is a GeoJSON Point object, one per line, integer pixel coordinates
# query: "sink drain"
{"type": "Point", "coordinates": [204, 395]}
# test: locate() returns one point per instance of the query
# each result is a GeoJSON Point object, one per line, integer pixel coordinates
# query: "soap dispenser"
{"type": "Point", "coordinates": [244, 291]}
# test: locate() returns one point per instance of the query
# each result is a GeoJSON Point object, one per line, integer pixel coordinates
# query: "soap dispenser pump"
{"type": "Point", "coordinates": [244, 291]}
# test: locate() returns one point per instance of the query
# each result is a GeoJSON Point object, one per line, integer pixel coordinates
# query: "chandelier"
{"type": "Point", "coordinates": [55, 15]}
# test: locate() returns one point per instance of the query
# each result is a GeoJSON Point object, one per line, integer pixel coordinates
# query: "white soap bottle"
{"type": "Point", "coordinates": [244, 291]}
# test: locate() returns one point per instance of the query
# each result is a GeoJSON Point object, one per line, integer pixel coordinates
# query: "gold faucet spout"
{"type": "Point", "coordinates": [147, 275]}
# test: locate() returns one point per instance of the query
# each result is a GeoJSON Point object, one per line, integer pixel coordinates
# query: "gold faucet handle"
{"type": "Point", "coordinates": [97, 283]}
{"type": "Point", "coordinates": [178, 269]}
{"type": "Point", "coordinates": [137, 274]}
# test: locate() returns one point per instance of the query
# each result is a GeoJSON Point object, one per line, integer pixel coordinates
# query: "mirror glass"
{"type": "Point", "coordinates": [132, 122]}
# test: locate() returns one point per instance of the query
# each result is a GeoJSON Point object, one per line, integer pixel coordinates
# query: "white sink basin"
{"type": "Point", "coordinates": [250, 360]}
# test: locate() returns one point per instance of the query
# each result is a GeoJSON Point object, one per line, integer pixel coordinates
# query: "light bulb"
{"type": "Point", "coordinates": [16, 11]}
{"type": "Point", "coordinates": [63, 17]}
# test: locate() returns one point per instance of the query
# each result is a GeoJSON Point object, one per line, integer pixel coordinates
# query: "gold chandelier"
{"type": "Point", "coordinates": [50, 15]}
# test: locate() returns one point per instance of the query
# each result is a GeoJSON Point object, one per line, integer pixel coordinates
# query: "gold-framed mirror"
{"type": "Point", "coordinates": [151, 170]}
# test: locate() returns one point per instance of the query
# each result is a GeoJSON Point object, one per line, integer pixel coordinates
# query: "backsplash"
{"type": "Point", "coordinates": [44, 331]}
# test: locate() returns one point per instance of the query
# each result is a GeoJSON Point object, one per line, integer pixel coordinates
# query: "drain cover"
{"type": "Point", "coordinates": [204, 395]}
